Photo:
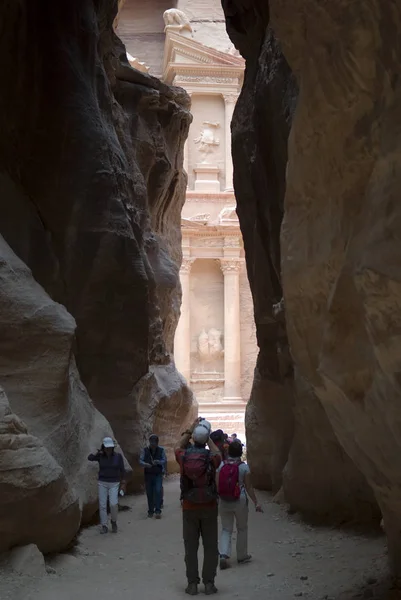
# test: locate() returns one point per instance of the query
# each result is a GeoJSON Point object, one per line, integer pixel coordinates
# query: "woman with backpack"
{"type": "Point", "coordinates": [234, 487]}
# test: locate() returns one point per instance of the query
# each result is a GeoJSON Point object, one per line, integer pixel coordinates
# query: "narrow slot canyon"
{"type": "Point", "coordinates": [199, 217]}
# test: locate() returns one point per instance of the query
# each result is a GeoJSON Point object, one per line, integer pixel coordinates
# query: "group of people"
{"type": "Point", "coordinates": [214, 480]}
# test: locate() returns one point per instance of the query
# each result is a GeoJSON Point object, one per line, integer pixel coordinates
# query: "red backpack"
{"type": "Point", "coordinates": [229, 487]}
{"type": "Point", "coordinates": [198, 476]}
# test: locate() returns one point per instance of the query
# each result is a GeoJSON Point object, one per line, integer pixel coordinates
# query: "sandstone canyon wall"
{"type": "Point", "coordinates": [340, 239]}
{"type": "Point", "coordinates": [291, 444]}
{"type": "Point", "coordinates": [91, 190]}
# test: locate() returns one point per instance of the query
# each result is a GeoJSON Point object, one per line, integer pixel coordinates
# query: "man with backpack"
{"type": "Point", "coordinates": [198, 467]}
{"type": "Point", "coordinates": [234, 486]}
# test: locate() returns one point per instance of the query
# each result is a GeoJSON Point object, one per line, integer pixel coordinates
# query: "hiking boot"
{"type": "Point", "coordinates": [245, 560]}
{"type": "Point", "coordinates": [210, 589]}
{"type": "Point", "coordinates": [192, 589]}
{"type": "Point", "coordinates": [224, 562]}
{"type": "Point", "coordinates": [158, 515]}
{"type": "Point", "coordinates": [104, 529]}
{"type": "Point", "coordinates": [114, 527]}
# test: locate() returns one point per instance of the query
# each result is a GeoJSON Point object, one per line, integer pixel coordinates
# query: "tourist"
{"type": "Point", "coordinates": [218, 438]}
{"type": "Point", "coordinates": [199, 505]}
{"type": "Point", "coordinates": [234, 486]}
{"type": "Point", "coordinates": [153, 460]}
{"type": "Point", "coordinates": [111, 481]}
{"type": "Point", "coordinates": [234, 438]}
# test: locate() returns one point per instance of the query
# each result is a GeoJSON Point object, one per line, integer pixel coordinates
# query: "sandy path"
{"type": "Point", "coordinates": [145, 561]}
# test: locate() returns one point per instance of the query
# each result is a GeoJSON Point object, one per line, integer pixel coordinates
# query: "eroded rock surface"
{"type": "Point", "coordinates": [291, 441]}
{"type": "Point", "coordinates": [340, 238]}
{"type": "Point", "coordinates": [36, 502]}
{"type": "Point", "coordinates": [42, 382]}
{"type": "Point", "coordinates": [91, 189]}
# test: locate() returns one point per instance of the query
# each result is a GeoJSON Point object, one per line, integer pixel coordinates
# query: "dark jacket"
{"type": "Point", "coordinates": [111, 468]}
{"type": "Point", "coordinates": [148, 457]}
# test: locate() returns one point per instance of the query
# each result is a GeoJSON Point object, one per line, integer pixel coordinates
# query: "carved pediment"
{"type": "Point", "coordinates": [192, 224]}
{"type": "Point", "coordinates": [200, 218]}
{"type": "Point", "coordinates": [182, 52]}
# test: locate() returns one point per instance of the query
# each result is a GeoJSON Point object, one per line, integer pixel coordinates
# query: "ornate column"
{"type": "Point", "coordinates": [182, 340]}
{"type": "Point", "coordinates": [229, 101]}
{"type": "Point", "coordinates": [232, 336]}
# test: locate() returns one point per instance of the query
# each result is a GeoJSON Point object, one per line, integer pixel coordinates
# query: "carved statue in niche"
{"type": "Point", "coordinates": [203, 345]}
{"type": "Point", "coordinates": [209, 345]}
{"type": "Point", "coordinates": [207, 140]}
{"type": "Point", "coordinates": [215, 345]}
{"type": "Point", "coordinates": [176, 19]}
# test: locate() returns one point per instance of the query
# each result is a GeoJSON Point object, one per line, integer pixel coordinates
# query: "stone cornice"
{"type": "Point", "coordinates": [205, 61]}
{"type": "Point", "coordinates": [192, 196]}
{"type": "Point", "coordinates": [208, 195]}
{"type": "Point", "coordinates": [222, 231]}
{"type": "Point", "coordinates": [201, 53]}
{"type": "Point", "coordinates": [174, 70]}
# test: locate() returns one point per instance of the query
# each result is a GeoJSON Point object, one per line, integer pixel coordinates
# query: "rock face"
{"type": "Point", "coordinates": [291, 441]}
{"type": "Point", "coordinates": [259, 185]}
{"type": "Point", "coordinates": [27, 560]}
{"type": "Point", "coordinates": [36, 502]}
{"type": "Point", "coordinates": [340, 238]}
{"type": "Point", "coordinates": [91, 190]}
{"type": "Point", "coordinates": [41, 379]}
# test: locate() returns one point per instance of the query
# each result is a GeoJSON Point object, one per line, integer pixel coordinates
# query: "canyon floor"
{"type": "Point", "coordinates": [145, 560]}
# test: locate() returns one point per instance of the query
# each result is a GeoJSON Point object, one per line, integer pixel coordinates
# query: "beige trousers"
{"type": "Point", "coordinates": [229, 512]}
{"type": "Point", "coordinates": [108, 490]}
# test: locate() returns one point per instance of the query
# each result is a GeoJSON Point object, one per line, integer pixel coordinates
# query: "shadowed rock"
{"type": "Point", "coordinates": [291, 441]}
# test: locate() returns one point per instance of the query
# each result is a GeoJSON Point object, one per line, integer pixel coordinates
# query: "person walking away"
{"type": "Point", "coordinates": [218, 438]}
{"type": "Point", "coordinates": [198, 467]}
{"type": "Point", "coordinates": [153, 460]}
{"type": "Point", "coordinates": [234, 486]}
{"type": "Point", "coordinates": [111, 481]}
{"type": "Point", "coordinates": [234, 438]}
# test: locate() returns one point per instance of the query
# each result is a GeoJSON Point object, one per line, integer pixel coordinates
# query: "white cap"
{"type": "Point", "coordinates": [108, 442]}
{"type": "Point", "coordinates": [206, 424]}
{"type": "Point", "coordinates": [200, 434]}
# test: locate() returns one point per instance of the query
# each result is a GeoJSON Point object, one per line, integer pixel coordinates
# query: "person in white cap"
{"type": "Point", "coordinates": [111, 480]}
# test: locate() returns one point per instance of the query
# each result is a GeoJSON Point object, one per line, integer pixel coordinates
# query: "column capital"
{"type": "Point", "coordinates": [230, 265]}
{"type": "Point", "coordinates": [186, 265]}
{"type": "Point", "coordinates": [230, 98]}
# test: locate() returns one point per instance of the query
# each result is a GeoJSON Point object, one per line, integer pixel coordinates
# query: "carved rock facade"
{"type": "Point", "coordinates": [91, 190]}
